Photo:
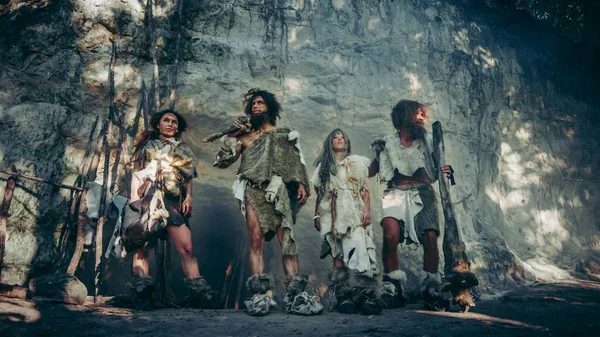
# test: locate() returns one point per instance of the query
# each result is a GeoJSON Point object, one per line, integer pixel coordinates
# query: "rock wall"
{"type": "Point", "coordinates": [519, 114]}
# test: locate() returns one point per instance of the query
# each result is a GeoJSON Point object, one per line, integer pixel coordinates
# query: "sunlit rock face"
{"type": "Point", "coordinates": [516, 112]}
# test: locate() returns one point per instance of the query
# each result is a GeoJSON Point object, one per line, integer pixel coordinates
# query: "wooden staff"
{"type": "Point", "coordinates": [139, 113]}
{"type": "Point", "coordinates": [82, 218]}
{"type": "Point", "coordinates": [151, 38]}
{"type": "Point", "coordinates": [103, 204]}
{"type": "Point", "coordinates": [333, 207]}
{"type": "Point", "coordinates": [458, 277]}
{"type": "Point", "coordinates": [8, 194]}
{"type": "Point", "coordinates": [115, 168]}
{"type": "Point", "coordinates": [19, 175]}
{"type": "Point", "coordinates": [72, 218]}
{"type": "Point", "coordinates": [146, 106]}
{"type": "Point", "coordinates": [176, 63]}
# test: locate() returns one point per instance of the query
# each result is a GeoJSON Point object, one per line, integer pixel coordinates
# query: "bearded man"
{"type": "Point", "coordinates": [271, 187]}
{"type": "Point", "coordinates": [405, 161]}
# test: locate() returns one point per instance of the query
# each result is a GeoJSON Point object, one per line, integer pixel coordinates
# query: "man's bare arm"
{"type": "Point", "coordinates": [317, 217]}
{"type": "Point", "coordinates": [228, 154]}
{"type": "Point", "coordinates": [365, 218]}
{"type": "Point", "coordinates": [135, 185]}
{"type": "Point", "coordinates": [373, 168]}
{"type": "Point", "coordinates": [186, 205]}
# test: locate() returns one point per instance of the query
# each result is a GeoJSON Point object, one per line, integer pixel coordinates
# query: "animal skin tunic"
{"type": "Point", "coordinates": [273, 162]}
{"type": "Point", "coordinates": [414, 205]}
{"type": "Point", "coordinates": [350, 241]}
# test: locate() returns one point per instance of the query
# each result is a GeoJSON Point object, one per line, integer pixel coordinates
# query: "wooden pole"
{"type": "Point", "coordinates": [458, 277]}
{"type": "Point", "coordinates": [24, 176]}
{"type": "Point", "coordinates": [115, 168]}
{"type": "Point", "coordinates": [175, 69]}
{"type": "Point", "coordinates": [72, 218]}
{"type": "Point", "coordinates": [103, 202]}
{"type": "Point", "coordinates": [151, 40]}
{"type": "Point", "coordinates": [82, 218]}
{"type": "Point", "coordinates": [8, 194]}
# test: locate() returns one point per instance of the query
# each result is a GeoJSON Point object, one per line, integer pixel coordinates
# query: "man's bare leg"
{"type": "Point", "coordinates": [391, 238]}
{"type": "Point", "coordinates": [141, 283]}
{"type": "Point", "coordinates": [431, 283]}
{"type": "Point", "coordinates": [431, 253]}
{"type": "Point", "coordinates": [291, 264]}
{"type": "Point", "coordinates": [140, 262]}
{"type": "Point", "coordinates": [258, 284]}
{"type": "Point", "coordinates": [392, 229]}
{"type": "Point", "coordinates": [182, 240]}
{"type": "Point", "coordinates": [257, 242]}
{"type": "Point", "coordinates": [295, 285]}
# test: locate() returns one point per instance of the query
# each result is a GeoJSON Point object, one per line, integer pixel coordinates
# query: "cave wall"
{"type": "Point", "coordinates": [518, 111]}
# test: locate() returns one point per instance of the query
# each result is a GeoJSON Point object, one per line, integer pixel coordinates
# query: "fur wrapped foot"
{"type": "Point", "coordinates": [390, 294]}
{"type": "Point", "coordinates": [366, 300]}
{"type": "Point", "coordinates": [260, 305]}
{"type": "Point", "coordinates": [297, 300]}
{"type": "Point", "coordinates": [200, 295]}
{"type": "Point", "coordinates": [340, 293]}
{"type": "Point", "coordinates": [261, 302]}
{"type": "Point", "coordinates": [460, 284]}
{"type": "Point", "coordinates": [431, 290]}
{"type": "Point", "coordinates": [143, 292]}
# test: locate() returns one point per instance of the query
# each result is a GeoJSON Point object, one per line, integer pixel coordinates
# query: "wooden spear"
{"type": "Point", "coordinates": [73, 210]}
{"type": "Point", "coordinates": [8, 194]}
{"type": "Point", "coordinates": [151, 39]}
{"type": "Point", "coordinates": [103, 202]}
{"type": "Point", "coordinates": [82, 218]}
{"type": "Point", "coordinates": [176, 63]}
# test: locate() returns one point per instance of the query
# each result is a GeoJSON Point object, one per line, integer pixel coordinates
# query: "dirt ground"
{"type": "Point", "coordinates": [545, 309]}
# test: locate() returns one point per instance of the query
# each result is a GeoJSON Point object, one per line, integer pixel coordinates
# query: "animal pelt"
{"type": "Point", "coordinates": [273, 154]}
{"type": "Point", "coordinates": [460, 284]}
{"type": "Point", "coordinates": [431, 282]}
{"type": "Point", "coordinates": [378, 146]}
{"type": "Point", "coordinates": [296, 284]}
{"type": "Point", "coordinates": [351, 278]}
{"type": "Point", "coordinates": [392, 158]}
{"type": "Point", "coordinates": [398, 275]}
{"type": "Point", "coordinates": [259, 284]}
{"type": "Point", "coordinates": [339, 275]}
{"type": "Point", "coordinates": [140, 282]}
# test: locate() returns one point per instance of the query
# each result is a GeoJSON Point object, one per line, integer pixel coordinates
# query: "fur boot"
{"type": "Point", "coordinates": [432, 296]}
{"type": "Point", "coordinates": [143, 291]}
{"type": "Point", "coordinates": [297, 300]}
{"type": "Point", "coordinates": [390, 294]}
{"type": "Point", "coordinates": [363, 294]}
{"type": "Point", "coordinates": [200, 295]}
{"type": "Point", "coordinates": [341, 293]}
{"type": "Point", "coordinates": [353, 292]}
{"type": "Point", "coordinates": [261, 303]}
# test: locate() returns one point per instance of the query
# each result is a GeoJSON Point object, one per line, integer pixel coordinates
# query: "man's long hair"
{"type": "Point", "coordinates": [273, 107]}
{"type": "Point", "coordinates": [145, 136]}
{"type": "Point", "coordinates": [403, 114]}
{"type": "Point", "coordinates": [327, 160]}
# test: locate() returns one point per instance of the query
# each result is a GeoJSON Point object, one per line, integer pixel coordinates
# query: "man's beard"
{"type": "Point", "coordinates": [257, 120]}
{"type": "Point", "coordinates": [417, 131]}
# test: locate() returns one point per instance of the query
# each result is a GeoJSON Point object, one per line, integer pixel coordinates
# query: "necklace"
{"type": "Point", "coordinates": [259, 132]}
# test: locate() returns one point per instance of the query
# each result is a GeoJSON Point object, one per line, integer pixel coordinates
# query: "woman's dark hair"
{"type": "Point", "coordinates": [273, 107]}
{"type": "Point", "coordinates": [404, 111]}
{"type": "Point", "coordinates": [327, 160]}
{"type": "Point", "coordinates": [145, 136]}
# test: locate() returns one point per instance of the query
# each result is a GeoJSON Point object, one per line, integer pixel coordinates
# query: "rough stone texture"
{"type": "Point", "coordinates": [520, 118]}
{"type": "Point", "coordinates": [58, 287]}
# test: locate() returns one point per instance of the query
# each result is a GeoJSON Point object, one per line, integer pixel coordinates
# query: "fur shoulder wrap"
{"type": "Point", "coordinates": [276, 153]}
